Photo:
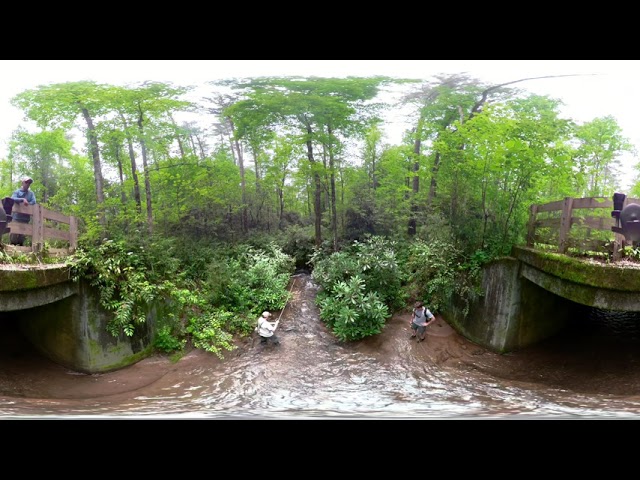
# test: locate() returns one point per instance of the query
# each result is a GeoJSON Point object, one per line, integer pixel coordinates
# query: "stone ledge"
{"type": "Point", "coordinates": [29, 277]}
{"type": "Point", "coordinates": [594, 274]}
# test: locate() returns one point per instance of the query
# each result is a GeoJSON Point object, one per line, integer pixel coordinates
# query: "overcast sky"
{"type": "Point", "coordinates": [605, 87]}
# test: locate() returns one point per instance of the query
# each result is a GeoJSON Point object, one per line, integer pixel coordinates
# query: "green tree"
{"type": "Point", "coordinates": [42, 155]}
{"type": "Point", "coordinates": [318, 111]}
{"type": "Point", "coordinates": [597, 156]}
{"type": "Point", "coordinates": [61, 106]}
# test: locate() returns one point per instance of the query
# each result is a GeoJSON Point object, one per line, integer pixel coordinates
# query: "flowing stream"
{"type": "Point", "coordinates": [586, 372]}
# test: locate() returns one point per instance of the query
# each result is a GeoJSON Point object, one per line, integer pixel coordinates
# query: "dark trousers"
{"type": "Point", "coordinates": [273, 339]}
{"type": "Point", "coordinates": [17, 238]}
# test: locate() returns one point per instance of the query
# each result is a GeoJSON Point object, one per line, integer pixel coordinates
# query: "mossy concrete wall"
{"type": "Point", "coordinates": [605, 286]}
{"type": "Point", "coordinates": [512, 313]}
{"type": "Point", "coordinates": [528, 297]}
{"type": "Point", "coordinates": [33, 286]}
{"type": "Point", "coordinates": [72, 332]}
{"type": "Point", "coordinates": [607, 276]}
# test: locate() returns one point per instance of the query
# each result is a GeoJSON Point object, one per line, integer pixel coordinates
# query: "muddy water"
{"type": "Point", "coordinates": [312, 375]}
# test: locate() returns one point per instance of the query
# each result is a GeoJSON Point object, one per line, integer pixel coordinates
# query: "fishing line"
{"type": "Point", "coordinates": [285, 305]}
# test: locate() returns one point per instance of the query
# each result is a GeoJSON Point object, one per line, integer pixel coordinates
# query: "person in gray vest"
{"type": "Point", "coordinates": [421, 318]}
{"type": "Point", "coordinates": [22, 196]}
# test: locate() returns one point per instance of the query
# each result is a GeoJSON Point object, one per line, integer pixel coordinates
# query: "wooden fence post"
{"type": "Point", "coordinates": [565, 224]}
{"type": "Point", "coordinates": [619, 240]}
{"type": "Point", "coordinates": [531, 228]}
{"type": "Point", "coordinates": [73, 233]}
{"type": "Point", "coordinates": [37, 239]}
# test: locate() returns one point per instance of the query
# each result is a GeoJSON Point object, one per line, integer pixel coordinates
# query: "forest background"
{"type": "Point", "coordinates": [295, 173]}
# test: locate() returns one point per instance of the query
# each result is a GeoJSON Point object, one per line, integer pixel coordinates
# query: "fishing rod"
{"type": "Point", "coordinates": [286, 303]}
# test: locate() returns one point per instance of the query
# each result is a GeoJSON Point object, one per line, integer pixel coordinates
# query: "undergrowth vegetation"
{"type": "Point", "coordinates": [208, 293]}
{"type": "Point", "coordinates": [205, 299]}
{"type": "Point", "coordinates": [366, 282]}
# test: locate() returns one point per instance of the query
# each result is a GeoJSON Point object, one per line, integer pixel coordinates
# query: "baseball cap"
{"type": "Point", "coordinates": [27, 179]}
{"type": "Point", "coordinates": [266, 314]}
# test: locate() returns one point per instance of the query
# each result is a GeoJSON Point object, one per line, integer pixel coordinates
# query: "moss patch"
{"type": "Point", "coordinates": [30, 277]}
{"type": "Point", "coordinates": [594, 274]}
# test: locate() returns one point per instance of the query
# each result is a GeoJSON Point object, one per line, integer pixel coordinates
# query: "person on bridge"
{"type": "Point", "coordinates": [267, 329]}
{"type": "Point", "coordinates": [419, 321]}
{"type": "Point", "coordinates": [25, 196]}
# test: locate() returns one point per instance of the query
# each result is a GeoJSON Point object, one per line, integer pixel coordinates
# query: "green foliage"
{"type": "Point", "coordinates": [468, 277]}
{"type": "Point", "coordinates": [240, 324]}
{"type": "Point", "coordinates": [351, 312]}
{"type": "Point", "coordinates": [194, 256]}
{"type": "Point", "coordinates": [29, 258]}
{"type": "Point", "coordinates": [435, 227]}
{"type": "Point", "coordinates": [208, 331]}
{"type": "Point", "coordinates": [433, 271]}
{"type": "Point", "coordinates": [378, 265]}
{"type": "Point", "coordinates": [631, 253]}
{"type": "Point", "coordinates": [600, 148]}
{"type": "Point", "coordinates": [166, 341]}
{"type": "Point", "coordinates": [124, 279]}
{"type": "Point", "coordinates": [374, 260]}
{"type": "Point", "coordinates": [438, 270]}
{"type": "Point", "coordinates": [248, 279]}
{"type": "Point", "coordinates": [338, 267]}
{"type": "Point", "coordinates": [131, 277]}
{"type": "Point", "coordinates": [359, 286]}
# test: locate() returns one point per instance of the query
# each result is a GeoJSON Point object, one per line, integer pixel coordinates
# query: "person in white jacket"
{"type": "Point", "coordinates": [266, 329]}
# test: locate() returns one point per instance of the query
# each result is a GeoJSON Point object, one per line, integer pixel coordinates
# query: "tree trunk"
{"type": "Point", "coordinates": [243, 183]}
{"type": "Point", "coordinates": [416, 185]}
{"type": "Point", "coordinates": [177, 136]}
{"type": "Point", "coordinates": [134, 167]}
{"type": "Point", "coordinates": [147, 181]}
{"type": "Point", "coordinates": [117, 147]}
{"type": "Point", "coordinates": [334, 213]}
{"type": "Point", "coordinates": [97, 167]}
{"type": "Point", "coordinates": [317, 204]}
{"type": "Point", "coordinates": [433, 185]}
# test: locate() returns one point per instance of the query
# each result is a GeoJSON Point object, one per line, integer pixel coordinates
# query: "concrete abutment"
{"type": "Point", "coordinates": [65, 322]}
{"type": "Point", "coordinates": [529, 297]}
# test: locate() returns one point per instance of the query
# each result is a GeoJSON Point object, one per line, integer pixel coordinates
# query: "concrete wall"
{"type": "Point", "coordinates": [512, 313]}
{"type": "Point", "coordinates": [28, 286]}
{"type": "Point", "coordinates": [72, 332]}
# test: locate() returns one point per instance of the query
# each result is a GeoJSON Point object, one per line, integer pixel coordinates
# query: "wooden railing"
{"type": "Point", "coordinates": [573, 212]}
{"type": "Point", "coordinates": [45, 225]}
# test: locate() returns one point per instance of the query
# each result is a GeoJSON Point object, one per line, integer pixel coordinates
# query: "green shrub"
{"type": "Point", "coordinates": [431, 272]}
{"type": "Point", "coordinates": [631, 253]}
{"type": "Point", "coordinates": [124, 278]}
{"type": "Point", "coordinates": [378, 265]}
{"type": "Point", "coordinates": [165, 340]}
{"type": "Point", "coordinates": [351, 313]}
{"type": "Point", "coordinates": [374, 260]}
{"type": "Point", "coordinates": [252, 281]}
{"type": "Point", "coordinates": [216, 300]}
{"type": "Point", "coordinates": [207, 331]}
{"type": "Point", "coordinates": [338, 267]}
{"type": "Point", "coordinates": [299, 243]}
{"type": "Point", "coordinates": [437, 270]}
